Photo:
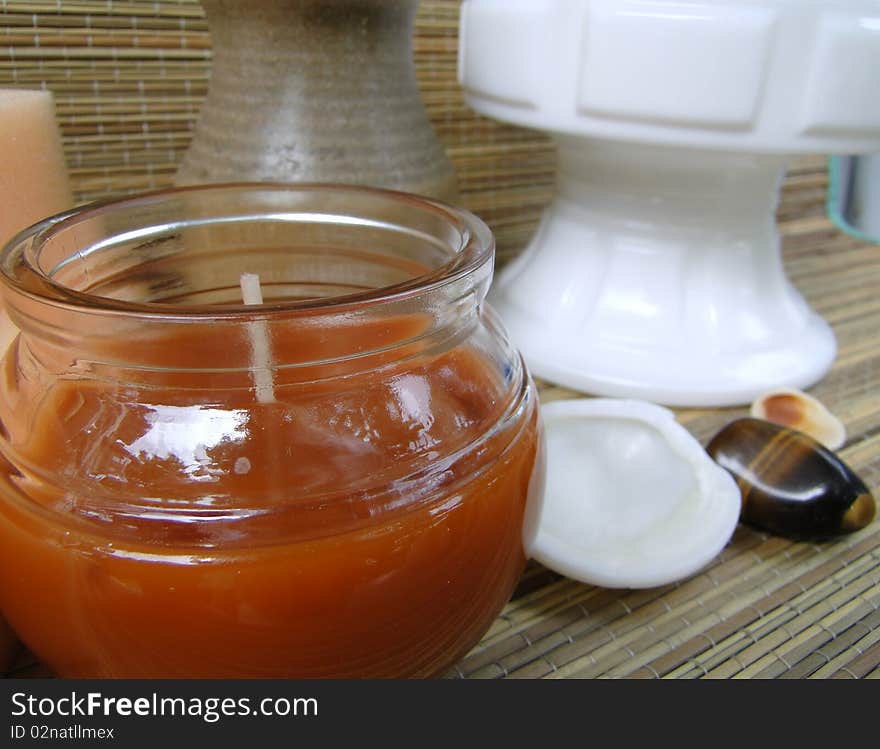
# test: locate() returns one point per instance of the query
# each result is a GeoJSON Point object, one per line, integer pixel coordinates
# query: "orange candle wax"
{"type": "Point", "coordinates": [343, 588]}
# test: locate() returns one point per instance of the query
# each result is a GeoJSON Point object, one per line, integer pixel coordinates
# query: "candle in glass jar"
{"type": "Point", "coordinates": [329, 483]}
{"type": "Point", "coordinates": [33, 181]}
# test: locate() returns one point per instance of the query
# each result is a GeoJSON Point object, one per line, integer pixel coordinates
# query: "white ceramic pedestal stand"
{"type": "Point", "coordinates": [656, 273]}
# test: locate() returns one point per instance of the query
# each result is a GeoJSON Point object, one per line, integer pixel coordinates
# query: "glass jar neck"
{"type": "Point", "coordinates": [350, 278]}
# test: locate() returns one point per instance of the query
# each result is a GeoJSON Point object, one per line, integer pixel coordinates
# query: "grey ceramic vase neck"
{"type": "Point", "coordinates": [316, 90]}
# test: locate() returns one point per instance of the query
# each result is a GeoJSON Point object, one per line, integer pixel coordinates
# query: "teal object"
{"type": "Point", "coordinates": [853, 200]}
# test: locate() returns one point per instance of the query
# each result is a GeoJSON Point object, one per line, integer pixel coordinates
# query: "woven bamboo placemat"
{"type": "Point", "coordinates": [128, 79]}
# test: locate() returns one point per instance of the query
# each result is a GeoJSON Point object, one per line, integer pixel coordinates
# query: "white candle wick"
{"type": "Point", "coordinates": [261, 355]}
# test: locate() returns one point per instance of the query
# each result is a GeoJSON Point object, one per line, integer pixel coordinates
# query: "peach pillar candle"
{"type": "Point", "coordinates": [33, 176]}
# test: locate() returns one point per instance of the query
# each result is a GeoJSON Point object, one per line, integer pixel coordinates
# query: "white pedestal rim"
{"type": "Point", "coordinates": [550, 357]}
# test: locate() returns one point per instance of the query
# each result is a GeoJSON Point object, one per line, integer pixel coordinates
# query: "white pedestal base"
{"type": "Point", "coordinates": [657, 274]}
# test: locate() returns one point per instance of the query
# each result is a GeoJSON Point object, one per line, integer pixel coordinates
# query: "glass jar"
{"type": "Point", "coordinates": [330, 483]}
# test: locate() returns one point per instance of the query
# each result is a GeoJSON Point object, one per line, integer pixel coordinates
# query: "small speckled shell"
{"type": "Point", "coordinates": [791, 485]}
{"type": "Point", "coordinates": [801, 411]}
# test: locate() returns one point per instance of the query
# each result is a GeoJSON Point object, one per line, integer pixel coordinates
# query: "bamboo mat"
{"type": "Point", "coordinates": [129, 77]}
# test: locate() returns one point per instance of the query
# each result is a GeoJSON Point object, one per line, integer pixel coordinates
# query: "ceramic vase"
{"type": "Point", "coordinates": [316, 91]}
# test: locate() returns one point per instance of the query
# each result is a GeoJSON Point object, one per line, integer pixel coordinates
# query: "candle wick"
{"type": "Point", "coordinates": [258, 331]}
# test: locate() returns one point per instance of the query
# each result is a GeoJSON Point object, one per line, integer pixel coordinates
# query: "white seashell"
{"type": "Point", "coordinates": [798, 410]}
{"type": "Point", "coordinates": [632, 500]}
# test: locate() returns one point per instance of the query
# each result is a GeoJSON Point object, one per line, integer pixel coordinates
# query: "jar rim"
{"type": "Point", "coordinates": [21, 271]}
